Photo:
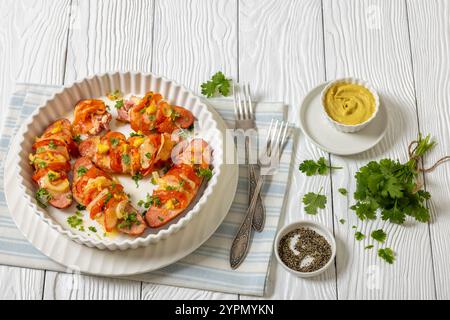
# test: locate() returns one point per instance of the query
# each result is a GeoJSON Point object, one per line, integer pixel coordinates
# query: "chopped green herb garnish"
{"type": "Point", "coordinates": [311, 167]}
{"type": "Point", "coordinates": [387, 255]}
{"type": "Point", "coordinates": [148, 155]}
{"type": "Point", "coordinates": [81, 171]}
{"type": "Point", "coordinates": [40, 150]}
{"type": "Point", "coordinates": [126, 159]}
{"type": "Point", "coordinates": [359, 236]}
{"type": "Point", "coordinates": [160, 218]}
{"type": "Point", "coordinates": [204, 172]}
{"type": "Point", "coordinates": [136, 134]}
{"type": "Point", "coordinates": [149, 201]}
{"type": "Point", "coordinates": [42, 197]}
{"type": "Point", "coordinates": [370, 246]}
{"type": "Point", "coordinates": [314, 201]}
{"type": "Point", "coordinates": [81, 207]}
{"type": "Point", "coordinates": [74, 221]}
{"type": "Point", "coordinates": [129, 220]}
{"type": "Point", "coordinates": [342, 221]}
{"type": "Point", "coordinates": [51, 176]}
{"type": "Point", "coordinates": [136, 177]}
{"type": "Point", "coordinates": [343, 191]}
{"type": "Point", "coordinates": [42, 164]}
{"type": "Point", "coordinates": [108, 197]}
{"type": "Point", "coordinates": [92, 229]}
{"type": "Point", "coordinates": [77, 138]}
{"type": "Point", "coordinates": [52, 145]}
{"type": "Point", "coordinates": [119, 104]}
{"type": "Point", "coordinates": [379, 235]}
{"type": "Point", "coordinates": [114, 141]}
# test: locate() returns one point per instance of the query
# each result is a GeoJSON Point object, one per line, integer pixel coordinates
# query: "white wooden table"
{"type": "Point", "coordinates": [283, 48]}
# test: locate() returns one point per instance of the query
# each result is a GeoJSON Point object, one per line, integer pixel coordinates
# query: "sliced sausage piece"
{"type": "Point", "coordinates": [136, 229]}
{"type": "Point", "coordinates": [61, 200]}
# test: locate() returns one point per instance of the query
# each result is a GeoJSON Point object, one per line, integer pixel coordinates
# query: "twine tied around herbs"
{"type": "Point", "coordinates": [418, 159]}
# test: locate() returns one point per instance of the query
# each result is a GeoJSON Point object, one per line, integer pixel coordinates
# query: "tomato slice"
{"type": "Point", "coordinates": [42, 172]}
{"type": "Point", "coordinates": [187, 171]}
{"type": "Point", "coordinates": [97, 207]}
{"type": "Point", "coordinates": [59, 166]}
{"type": "Point", "coordinates": [185, 119]}
{"type": "Point", "coordinates": [94, 172]}
{"type": "Point", "coordinates": [166, 195]}
{"type": "Point", "coordinates": [45, 142]}
{"type": "Point", "coordinates": [114, 135]}
{"type": "Point", "coordinates": [116, 161]}
{"type": "Point", "coordinates": [167, 126]}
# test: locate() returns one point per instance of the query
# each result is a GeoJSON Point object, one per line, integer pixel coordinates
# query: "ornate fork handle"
{"type": "Point", "coordinates": [259, 213]}
{"type": "Point", "coordinates": [241, 242]}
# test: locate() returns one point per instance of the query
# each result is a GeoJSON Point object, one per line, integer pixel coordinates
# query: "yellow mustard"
{"type": "Point", "coordinates": [349, 103]}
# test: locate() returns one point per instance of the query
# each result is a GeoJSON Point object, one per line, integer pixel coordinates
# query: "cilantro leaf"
{"type": "Point", "coordinates": [314, 201]}
{"type": "Point", "coordinates": [359, 236]}
{"type": "Point", "coordinates": [378, 235]}
{"type": "Point", "coordinates": [342, 221]}
{"type": "Point", "coordinates": [370, 246]}
{"type": "Point", "coordinates": [311, 167]}
{"type": "Point", "coordinates": [387, 255]}
{"type": "Point", "coordinates": [343, 191]}
{"type": "Point", "coordinates": [218, 84]}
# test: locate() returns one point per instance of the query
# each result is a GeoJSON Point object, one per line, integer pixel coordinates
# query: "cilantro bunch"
{"type": "Point", "coordinates": [392, 188]}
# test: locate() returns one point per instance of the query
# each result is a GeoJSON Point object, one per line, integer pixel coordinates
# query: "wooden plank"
{"type": "Point", "coordinates": [104, 36]}
{"type": "Point", "coordinates": [281, 55]}
{"type": "Point", "coordinates": [33, 38]}
{"type": "Point", "coordinates": [430, 43]}
{"type": "Point", "coordinates": [109, 36]}
{"type": "Point", "coordinates": [193, 40]}
{"type": "Point", "coordinates": [369, 40]}
{"type": "Point", "coordinates": [158, 292]}
{"type": "Point", "coordinates": [64, 286]}
{"type": "Point", "coordinates": [21, 283]}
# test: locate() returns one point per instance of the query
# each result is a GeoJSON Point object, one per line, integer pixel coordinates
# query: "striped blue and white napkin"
{"type": "Point", "coordinates": [208, 267]}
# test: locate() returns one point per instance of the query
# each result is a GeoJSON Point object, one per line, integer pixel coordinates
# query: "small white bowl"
{"type": "Point", "coordinates": [346, 127]}
{"type": "Point", "coordinates": [320, 229]}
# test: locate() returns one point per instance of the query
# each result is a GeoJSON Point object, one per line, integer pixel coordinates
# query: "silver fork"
{"type": "Point", "coordinates": [244, 119]}
{"type": "Point", "coordinates": [276, 137]}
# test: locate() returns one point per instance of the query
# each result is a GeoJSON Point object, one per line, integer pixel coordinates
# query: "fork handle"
{"type": "Point", "coordinates": [259, 216]}
{"type": "Point", "coordinates": [241, 242]}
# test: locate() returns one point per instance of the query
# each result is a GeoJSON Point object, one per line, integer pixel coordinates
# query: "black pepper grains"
{"type": "Point", "coordinates": [311, 250]}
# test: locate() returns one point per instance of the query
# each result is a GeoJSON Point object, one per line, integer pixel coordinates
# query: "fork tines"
{"type": "Point", "coordinates": [243, 108]}
{"type": "Point", "coordinates": [276, 135]}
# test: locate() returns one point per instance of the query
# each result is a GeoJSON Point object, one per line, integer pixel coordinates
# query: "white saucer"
{"type": "Point", "coordinates": [316, 127]}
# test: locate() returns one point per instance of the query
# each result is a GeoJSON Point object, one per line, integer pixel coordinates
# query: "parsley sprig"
{"type": "Point", "coordinates": [314, 201]}
{"type": "Point", "coordinates": [218, 84]}
{"type": "Point", "coordinates": [387, 254]}
{"type": "Point", "coordinates": [311, 167]}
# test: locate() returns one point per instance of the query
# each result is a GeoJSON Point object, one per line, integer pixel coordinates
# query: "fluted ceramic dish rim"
{"type": "Point", "coordinates": [348, 128]}
{"type": "Point", "coordinates": [127, 243]}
